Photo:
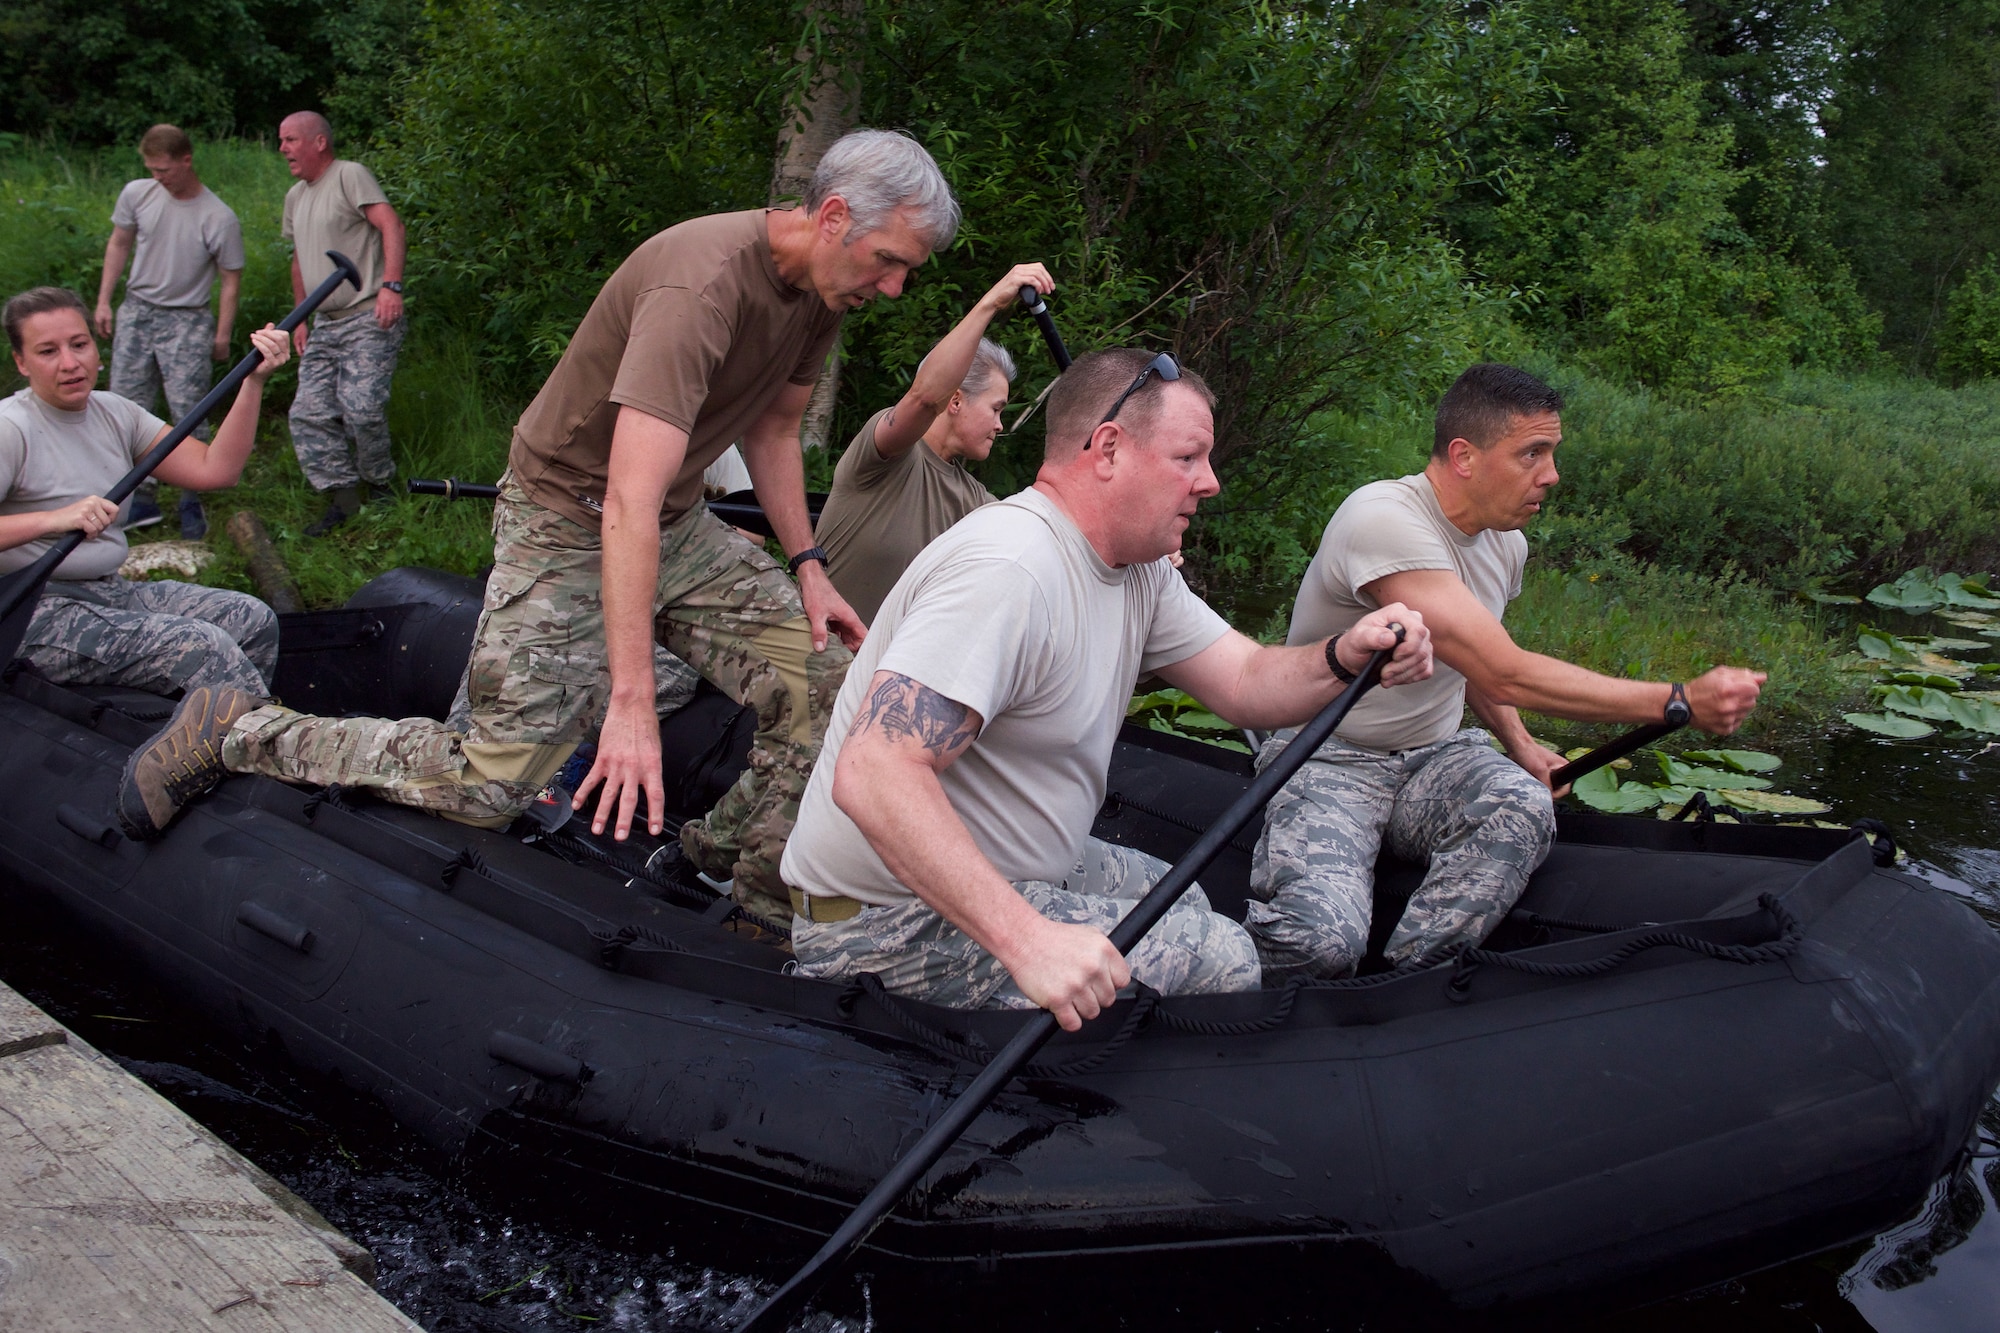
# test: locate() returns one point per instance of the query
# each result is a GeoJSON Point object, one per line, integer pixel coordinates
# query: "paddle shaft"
{"type": "Point", "coordinates": [1635, 739]}
{"type": "Point", "coordinates": [957, 1117]}
{"type": "Point", "coordinates": [24, 586]}
{"type": "Point", "coordinates": [1032, 299]}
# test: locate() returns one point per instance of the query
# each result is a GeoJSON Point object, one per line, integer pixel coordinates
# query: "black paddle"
{"type": "Point", "coordinates": [1637, 738]}
{"type": "Point", "coordinates": [1032, 299]}
{"type": "Point", "coordinates": [957, 1117]}
{"type": "Point", "coordinates": [20, 590]}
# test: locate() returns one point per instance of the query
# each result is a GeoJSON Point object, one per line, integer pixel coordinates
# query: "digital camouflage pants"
{"type": "Point", "coordinates": [159, 349]}
{"type": "Point", "coordinates": [1479, 820]}
{"type": "Point", "coordinates": [165, 637]}
{"type": "Point", "coordinates": [340, 415]}
{"type": "Point", "coordinates": [538, 683]}
{"type": "Point", "coordinates": [916, 952]}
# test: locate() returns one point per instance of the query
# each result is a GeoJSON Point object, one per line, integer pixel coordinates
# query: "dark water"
{"type": "Point", "coordinates": [460, 1247]}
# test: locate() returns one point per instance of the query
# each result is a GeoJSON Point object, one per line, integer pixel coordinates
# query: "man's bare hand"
{"type": "Point", "coordinates": [1411, 661]}
{"type": "Point", "coordinates": [219, 349]}
{"type": "Point", "coordinates": [1008, 290]}
{"type": "Point", "coordinates": [1074, 972]}
{"type": "Point", "coordinates": [93, 514]}
{"type": "Point", "coordinates": [1539, 760]}
{"type": "Point", "coordinates": [1721, 698]}
{"type": "Point", "coordinates": [628, 763]}
{"type": "Point", "coordinates": [388, 307]}
{"type": "Point", "coordinates": [827, 609]}
{"type": "Point", "coordinates": [104, 322]}
{"type": "Point", "coordinates": [299, 339]}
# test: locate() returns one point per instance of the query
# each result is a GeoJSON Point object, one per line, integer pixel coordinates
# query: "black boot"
{"type": "Point", "coordinates": [343, 503]}
{"type": "Point", "coordinates": [194, 522]}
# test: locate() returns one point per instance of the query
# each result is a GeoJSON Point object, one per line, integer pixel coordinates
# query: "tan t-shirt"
{"type": "Point", "coordinates": [50, 458]}
{"type": "Point", "coordinates": [179, 245]}
{"type": "Point", "coordinates": [326, 215]}
{"type": "Point", "coordinates": [695, 328]}
{"type": "Point", "coordinates": [1014, 615]}
{"type": "Point", "coordinates": [882, 511]}
{"type": "Point", "coordinates": [1385, 528]}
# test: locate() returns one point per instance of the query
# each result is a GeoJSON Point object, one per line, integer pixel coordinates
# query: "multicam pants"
{"type": "Point", "coordinates": [155, 348]}
{"type": "Point", "coordinates": [539, 682]}
{"type": "Point", "coordinates": [1480, 820]}
{"type": "Point", "coordinates": [916, 952]}
{"type": "Point", "coordinates": [344, 394]}
{"type": "Point", "coordinates": [165, 637]}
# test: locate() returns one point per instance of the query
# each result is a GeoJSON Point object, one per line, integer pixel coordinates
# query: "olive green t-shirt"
{"type": "Point", "coordinates": [326, 215]}
{"type": "Point", "coordinates": [1388, 527]}
{"type": "Point", "coordinates": [695, 328]}
{"type": "Point", "coordinates": [882, 511]}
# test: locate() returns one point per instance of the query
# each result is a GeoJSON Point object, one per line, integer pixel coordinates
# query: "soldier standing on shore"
{"type": "Point", "coordinates": [348, 359]}
{"type": "Point", "coordinates": [178, 237]}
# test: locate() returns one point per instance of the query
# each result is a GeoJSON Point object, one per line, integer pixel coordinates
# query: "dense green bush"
{"type": "Point", "coordinates": [1970, 347]}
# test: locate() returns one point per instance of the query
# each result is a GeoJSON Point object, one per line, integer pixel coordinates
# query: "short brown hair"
{"type": "Point", "coordinates": [1482, 403]}
{"type": "Point", "coordinates": [1085, 392]}
{"type": "Point", "coordinates": [37, 301]}
{"type": "Point", "coordinates": [166, 141]}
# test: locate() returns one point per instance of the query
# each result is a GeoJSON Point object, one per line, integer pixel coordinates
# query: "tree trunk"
{"type": "Point", "coordinates": [825, 105]}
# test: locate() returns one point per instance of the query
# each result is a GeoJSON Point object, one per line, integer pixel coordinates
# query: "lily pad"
{"type": "Point", "coordinates": [1678, 774]}
{"type": "Point", "coordinates": [1968, 619]}
{"type": "Point", "coordinates": [1916, 592]}
{"type": "Point", "coordinates": [1831, 598]}
{"type": "Point", "coordinates": [1772, 802]}
{"type": "Point", "coordinates": [1601, 790]}
{"type": "Point", "coordinates": [1978, 715]}
{"type": "Point", "coordinates": [1937, 643]}
{"type": "Point", "coordinates": [1945, 683]}
{"type": "Point", "coordinates": [1917, 700]}
{"type": "Point", "coordinates": [1889, 724]}
{"type": "Point", "coordinates": [1967, 590]}
{"type": "Point", "coordinates": [1743, 761]}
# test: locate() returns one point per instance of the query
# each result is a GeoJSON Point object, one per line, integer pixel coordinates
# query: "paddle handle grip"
{"type": "Point", "coordinates": [451, 488]}
{"type": "Point", "coordinates": [1635, 739]}
{"type": "Point", "coordinates": [1014, 1056]}
{"type": "Point", "coordinates": [1037, 307]}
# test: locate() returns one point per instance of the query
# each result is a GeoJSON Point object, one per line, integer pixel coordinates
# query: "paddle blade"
{"type": "Point", "coordinates": [21, 590]}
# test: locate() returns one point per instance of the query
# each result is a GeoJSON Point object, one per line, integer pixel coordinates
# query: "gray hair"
{"type": "Point", "coordinates": [989, 361]}
{"type": "Point", "coordinates": [315, 124]}
{"type": "Point", "coordinates": [879, 171]}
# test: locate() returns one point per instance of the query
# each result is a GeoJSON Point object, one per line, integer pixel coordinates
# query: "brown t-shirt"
{"type": "Point", "coordinates": [695, 328]}
{"type": "Point", "coordinates": [882, 511]}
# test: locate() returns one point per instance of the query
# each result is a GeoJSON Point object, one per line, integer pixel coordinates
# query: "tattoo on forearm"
{"type": "Point", "coordinates": [905, 709]}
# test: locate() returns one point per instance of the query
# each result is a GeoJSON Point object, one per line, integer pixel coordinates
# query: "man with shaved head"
{"type": "Point", "coordinates": [944, 840]}
{"type": "Point", "coordinates": [340, 422]}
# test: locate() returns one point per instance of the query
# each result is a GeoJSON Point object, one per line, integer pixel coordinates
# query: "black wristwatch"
{"type": "Point", "coordinates": [1340, 673]}
{"type": "Point", "coordinates": [1678, 712]}
{"type": "Point", "coordinates": [395, 287]}
{"type": "Point", "coordinates": [810, 553]}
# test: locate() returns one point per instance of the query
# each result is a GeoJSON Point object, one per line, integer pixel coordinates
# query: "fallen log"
{"type": "Point", "coordinates": [267, 567]}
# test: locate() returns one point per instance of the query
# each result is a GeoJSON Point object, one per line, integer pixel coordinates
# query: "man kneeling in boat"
{"type": "Point", "coordinates": [62, 445]}
{"type": "Point", "coordinates": [943, 841]}
{"type": "Point", "coordinates": [1447, 542]}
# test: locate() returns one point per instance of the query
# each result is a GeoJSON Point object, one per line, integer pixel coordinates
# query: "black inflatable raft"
{"type": "Point", "coordinates": [1695, 1050]}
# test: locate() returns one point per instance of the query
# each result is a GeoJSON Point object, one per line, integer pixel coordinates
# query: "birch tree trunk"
{"type": "Point", "coordinates": [826, 106]}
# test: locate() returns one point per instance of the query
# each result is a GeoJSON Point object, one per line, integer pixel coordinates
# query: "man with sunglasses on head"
{"type": "Point", "coordinates": [943, 842]}
{"type": "Point", "coordinates": [1447, 542]}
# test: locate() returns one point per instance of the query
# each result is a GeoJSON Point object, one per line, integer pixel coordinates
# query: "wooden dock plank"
{"type": "Point", "coordinates": [119, 1212]}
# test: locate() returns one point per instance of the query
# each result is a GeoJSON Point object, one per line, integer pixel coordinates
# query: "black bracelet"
{"type": "Point", "coordinates": [1341, 673]}
{"type": "Point", "coordinates": [1679, 712]}
{"type": "Point", "coordinates": [810, 553]}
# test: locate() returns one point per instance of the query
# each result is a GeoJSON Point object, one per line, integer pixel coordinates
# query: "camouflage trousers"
{"type": "Point", "coordinates": [156, 348]}
{"type": "Point", "coordinates": [165, 637]}
{"type": "Point", "coordinates": [343, 396]}
{"type": "Point", "coordinates": [916, 952]}
{"type": "Point", "coordinates": [1480, 821]}
{"type": "Point", "coordinates": [538, 684]}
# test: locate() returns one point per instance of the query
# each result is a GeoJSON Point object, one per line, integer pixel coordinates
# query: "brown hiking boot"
{"type": "Point", "coordinates": [181, 762]}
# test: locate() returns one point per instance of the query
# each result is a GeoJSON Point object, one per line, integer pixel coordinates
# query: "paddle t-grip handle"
{"type": "Point", "coordinates": [1032, 300]}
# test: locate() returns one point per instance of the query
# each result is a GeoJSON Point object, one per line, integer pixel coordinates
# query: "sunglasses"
{"type": "Point", "coordinates": [1162, 365]}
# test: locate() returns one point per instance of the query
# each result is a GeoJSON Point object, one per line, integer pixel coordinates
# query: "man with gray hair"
{"type": "Point", "coordinates": [349, 357]}
{"type": "Point", "coordinates": [710, 332]}
{"type": "Point", "coordinates": [902, 480]}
